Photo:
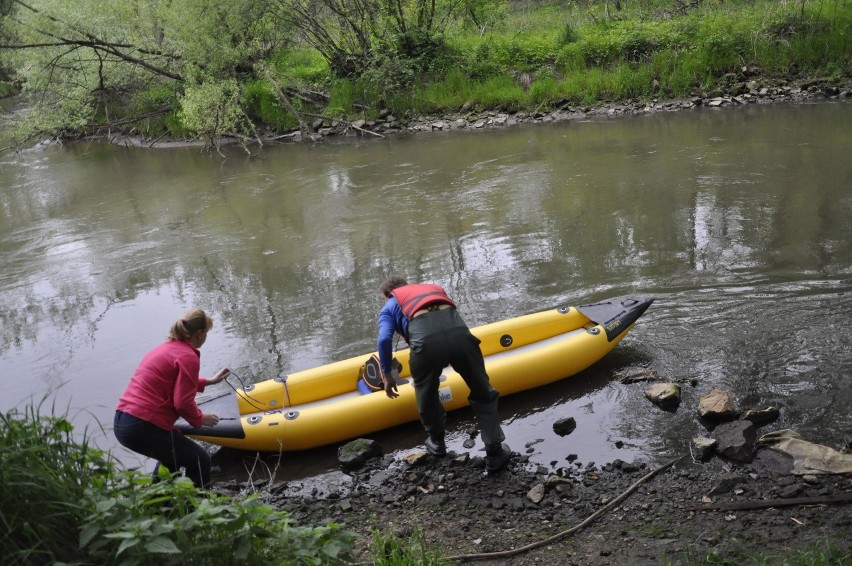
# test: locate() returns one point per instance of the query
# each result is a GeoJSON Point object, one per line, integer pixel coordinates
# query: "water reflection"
{"type": "Point", "coordinates": [737, 220]}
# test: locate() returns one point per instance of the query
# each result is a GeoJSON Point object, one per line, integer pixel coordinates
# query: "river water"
{"type": "Point", "coordinates": [739, 222]}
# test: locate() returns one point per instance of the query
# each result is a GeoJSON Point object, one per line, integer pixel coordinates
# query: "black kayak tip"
{"type": "Point", "coordinates": [616, 315]}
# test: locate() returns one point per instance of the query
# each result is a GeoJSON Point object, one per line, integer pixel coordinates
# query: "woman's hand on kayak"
{"type": "Point", "coordinates": [210, 419]}
{"type": "Point", "coordinates": [220, 376]}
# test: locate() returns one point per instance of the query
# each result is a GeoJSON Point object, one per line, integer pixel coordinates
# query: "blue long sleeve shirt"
{"type": "Point", "coordinates": [391, 320]}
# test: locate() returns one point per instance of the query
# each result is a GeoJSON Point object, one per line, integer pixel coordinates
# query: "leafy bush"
{"type": "Point", "coordinates": [523, 53]}
{"type": "Point", "coordinates": [182, 525]}
{"type": "Point", "coordinates": [567, 35]}
{"type": "Point", "coordinates": [44, 476]}
{"type": "Point", "coordinates": [261, 103]}
{"type": "Point", "coordinates": [211, 108]}
{"type": "Point", "coordinates": [63, 500]}
{"type": "Point", "coordinates": [390, 75]}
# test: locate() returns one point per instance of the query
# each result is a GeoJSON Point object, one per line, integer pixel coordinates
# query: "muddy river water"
{"type": "Point", "coordinates": [738, 221]}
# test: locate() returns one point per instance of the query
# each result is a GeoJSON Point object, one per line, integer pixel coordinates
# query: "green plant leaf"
{"type": "Point", "coordinates": [162, 545]}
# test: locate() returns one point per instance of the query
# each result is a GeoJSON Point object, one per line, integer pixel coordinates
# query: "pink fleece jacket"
{"type": "Point", "coordinates": [164, 386]}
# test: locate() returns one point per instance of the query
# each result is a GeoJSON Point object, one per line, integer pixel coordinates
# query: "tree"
{"type": "Point", "coordinates": [93, 65]}
{"type": "Point", "coordinates": [357, 36]}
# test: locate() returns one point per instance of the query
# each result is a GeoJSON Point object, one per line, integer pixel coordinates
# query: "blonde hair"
{"type": "Point", "coordinates": [191, 322]}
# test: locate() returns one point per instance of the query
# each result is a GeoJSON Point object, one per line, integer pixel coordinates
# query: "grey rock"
{"type": "Point", "coordinates": [353, 455]}
{"type": "Point", "coordinates": [762, 416]}
{"type": "Point", "coordinates": [664, 395]}
{"type": "Point", "coordinates": [565, 426]}
{"type": "Point", "coordinates": [536, 494]}
{"type": "Point", "coordinates": [705, 447]}
{"type": "Point", "coordinates": [727, 483]}
{"type": "Point", "coordinates": [736, 440]}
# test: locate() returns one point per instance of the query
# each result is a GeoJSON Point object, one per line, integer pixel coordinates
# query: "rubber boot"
{"type": "Point", "coordinates": [496, 457]}
{"type": "Point", "coordinates": [436, 446]}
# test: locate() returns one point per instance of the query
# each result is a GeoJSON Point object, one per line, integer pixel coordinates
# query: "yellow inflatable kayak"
{"type": "Point", "coordinates": [324, 405]}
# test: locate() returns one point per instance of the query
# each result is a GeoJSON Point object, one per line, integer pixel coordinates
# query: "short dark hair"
{"type": "Point", "coordinates": [390, 284]}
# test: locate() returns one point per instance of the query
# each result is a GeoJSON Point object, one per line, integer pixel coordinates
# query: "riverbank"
{"type": "Point", "coordinates": [740, 89]}
{"type": "Point", "coordinates": [279, 69]}
{"type": "Point", "coordinates": [522, 516]}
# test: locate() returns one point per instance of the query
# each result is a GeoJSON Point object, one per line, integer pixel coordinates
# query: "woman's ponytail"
{"type": "Point", "coordinates": [191, 322]}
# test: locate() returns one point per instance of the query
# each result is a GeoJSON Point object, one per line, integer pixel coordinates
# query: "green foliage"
{"type": "Point", "coordinates": [502, 92]}
{"type": "Point", "coordinates": [86, 60]}
{"type": "Point", "coordinates": [389, 75]}
{"type": "Point", "coordinates": [44, 475]}
{"type": "Point", "coordinates": [203, 58]}
{"type": "Point", "coordinates": [412, 551]}
{"type": "Point", "coordinates": [304, 65]}
{"type": "Point", "coordinates": [222, 38]}
{"type": "Point", "coordinates": [346, 95]}
{"type": "Point", "coordinates": [155, 108]}
{"type": "Point", "coordinates": [182, 525]}
{"type": "Point", "coordinates": [544, 91]}
{"type": "Point", "coordinates": [261, 104]}
{"type": "Point", "coordinates": [212, 108]}
{"type": "Point", "coordinates": [61, 499]}
{"type": "Point", "coordinates": [826, 553]}
{"type": "Point", "coordinates": [567, 35]}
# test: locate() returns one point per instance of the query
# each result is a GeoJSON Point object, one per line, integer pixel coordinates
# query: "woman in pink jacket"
{"type": "Point", "coordinates": [162, 389]}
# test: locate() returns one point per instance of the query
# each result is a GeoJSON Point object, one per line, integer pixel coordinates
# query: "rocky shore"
{"type": "Point", "coordinates": [733, 499]}
{"type": "Point", "coordinates": [683, 514]}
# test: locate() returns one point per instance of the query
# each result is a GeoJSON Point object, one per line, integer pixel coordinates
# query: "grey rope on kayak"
{"type": "Point", "coordinates": [598, 513]}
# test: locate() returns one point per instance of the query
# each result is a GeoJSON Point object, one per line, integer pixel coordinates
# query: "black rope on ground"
{"type": "Point", "coordinates": [601, 511]}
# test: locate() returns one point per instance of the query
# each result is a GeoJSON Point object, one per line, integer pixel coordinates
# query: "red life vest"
{"type": "Point", "coordinates": [412, 298]}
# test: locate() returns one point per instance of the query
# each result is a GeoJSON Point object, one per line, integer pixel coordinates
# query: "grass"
{"type": "Point", "coordinates": [566, 54]}
{"type": "Point", "coordinates": [817, 554]}
{"type": "Point", "coordinates": [88, 511]}
{"type": "Point", "coordinates": [411, 551]}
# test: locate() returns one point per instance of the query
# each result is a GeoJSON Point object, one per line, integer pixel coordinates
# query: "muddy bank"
{"type": "Point", "coordinates": [683, 513]}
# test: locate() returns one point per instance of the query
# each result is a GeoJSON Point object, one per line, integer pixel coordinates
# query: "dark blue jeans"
{"type": "Point", "coordinates": [169, 447]}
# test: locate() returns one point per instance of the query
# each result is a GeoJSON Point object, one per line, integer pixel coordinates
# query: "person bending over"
{"type": "Point", "coordinates": [162, 389]}
{"type": "Point", "coordinates": [425, 316]}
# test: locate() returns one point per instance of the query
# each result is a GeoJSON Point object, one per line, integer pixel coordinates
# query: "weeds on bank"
{"type": "Point", "coordinates": [388, 550]}
{"type": "Point", "coordinates": [44, 476]}
{"type": "Point", "coordinates": [817, 554]}
{"type": "Point", "coordinates": [64, 501]}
